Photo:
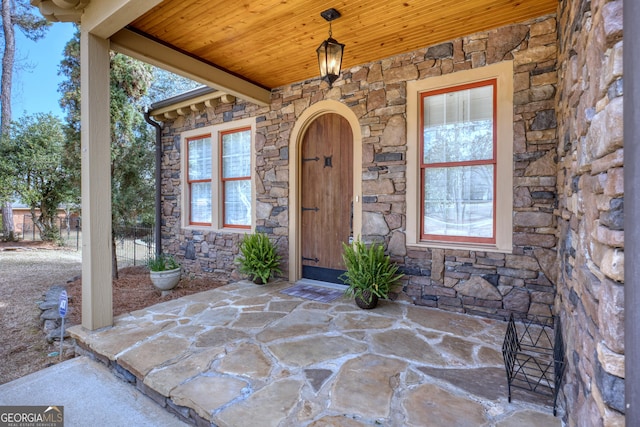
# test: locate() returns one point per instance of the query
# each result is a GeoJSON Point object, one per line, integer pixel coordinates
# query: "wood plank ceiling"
{"type": "Point", "coordinates": [273, 42]}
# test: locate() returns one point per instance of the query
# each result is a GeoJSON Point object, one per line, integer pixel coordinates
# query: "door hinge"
{"type": "Point", "coordinates": [310, 209]}
{"type": "Point", "coordinates": [310, 259]}
{"type": "Point", "coordinates": [311, 159]}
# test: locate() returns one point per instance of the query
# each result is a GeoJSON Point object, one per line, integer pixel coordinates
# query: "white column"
{"type": "Point", "coordinates": [97, 304]}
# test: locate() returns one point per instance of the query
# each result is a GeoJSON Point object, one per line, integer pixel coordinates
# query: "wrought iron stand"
{"type": "Point", "coordinates": [533, 353]}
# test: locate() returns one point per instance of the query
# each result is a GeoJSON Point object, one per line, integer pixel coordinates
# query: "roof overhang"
{"type": "Point", "coordinates": [196, 100]}
{"type": "Point", "coordinates": [153, 52]}
{"type": "Point", "coordinates": [245, 49]}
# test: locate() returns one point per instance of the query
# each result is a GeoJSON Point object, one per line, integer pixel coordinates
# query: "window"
{"type": "Point", "coordinates": [458, 164]}
{"type": "Point", "coordinates": [236, 177]}
{"type": "Point", "coordinates": [199, 180]}
{"type": "Point", "coordinates": [460, 160]}
{"type": "Point", "coordinates": [218, 165]}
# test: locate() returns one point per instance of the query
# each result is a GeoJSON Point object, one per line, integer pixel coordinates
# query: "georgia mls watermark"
{"type": "Point", "coordinates": [31, 416]}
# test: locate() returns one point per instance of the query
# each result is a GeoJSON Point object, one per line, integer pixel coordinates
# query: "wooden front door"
{"type": "Point", "coordinates": [326, 196]}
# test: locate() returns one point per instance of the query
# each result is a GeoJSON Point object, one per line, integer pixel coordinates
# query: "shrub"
{"type": "Point", "coordinates": [368, 269]}
{"type": "Point", "coordinates": [258, 257]}
{"type": "Point", "coordinates": [162, 262]}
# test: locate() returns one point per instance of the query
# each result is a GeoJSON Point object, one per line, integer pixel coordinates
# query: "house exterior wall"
{"type": "Point", "coordinates": [568, 244]}
{"type": "Point", "coordinates": [590, 298]}
{"type": "Point", "coordinates": [488, 283]}
{"type": "Point", "coordinates": [492, 284]}
{"type": "Point", "coordinates": [201, 252]}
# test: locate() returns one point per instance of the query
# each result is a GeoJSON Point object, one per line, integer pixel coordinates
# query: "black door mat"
{"type": "Point", "coordinates": [315, 293]}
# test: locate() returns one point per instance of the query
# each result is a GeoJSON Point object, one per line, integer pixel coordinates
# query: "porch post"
{"type": "Point", "coordinates": [97, 311]}
{"type": "Point", "coordinates": [632, 205]}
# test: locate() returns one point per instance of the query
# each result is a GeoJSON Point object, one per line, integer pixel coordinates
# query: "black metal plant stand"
{"type": "Point", "coordinates": [533, 353]}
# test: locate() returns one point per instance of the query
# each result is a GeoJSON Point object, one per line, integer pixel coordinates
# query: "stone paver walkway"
{"type": "Point", "coordinates": [248, 355]}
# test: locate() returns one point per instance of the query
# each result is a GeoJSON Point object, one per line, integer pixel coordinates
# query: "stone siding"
{"type": "Point", "coordinates": [568, 197]}
{"type": "Point", "coordinates": [201, 252]}
{"type": "Point", "coordinates": [590, 298]}
{"type": "Point", "coordinates": [486, 283]}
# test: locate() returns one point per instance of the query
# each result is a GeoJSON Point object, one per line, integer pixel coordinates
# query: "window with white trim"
{"type": "Point", "coordinates": [199, 179]}
{"type": "Point", "coordinates": [235, 175]}
{"type": "Point", "coordinates": [458, 163]}
{"type": "Point", "coordinates": [460, 160]}
{"type": "Point", "coordinates": [219, 188]}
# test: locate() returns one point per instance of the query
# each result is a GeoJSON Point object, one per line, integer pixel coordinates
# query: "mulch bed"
{"type": "Point", "coordinates": [133, 290]}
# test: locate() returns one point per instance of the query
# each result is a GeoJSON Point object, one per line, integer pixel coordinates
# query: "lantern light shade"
{"type": "Point", "coordinates": [330, 59]}
{"type": "Point", "coordinates": [330, 51]}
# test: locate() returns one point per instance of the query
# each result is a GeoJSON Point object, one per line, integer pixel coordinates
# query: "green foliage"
{"type": "Point", "coordinates": [28, 20]}
{"type": "Point", "coordinates": [32, 164]}
{"type": "Point", "coordinates": [132, 141]}
{"type": "Point", "coordinates": [162, 262]}
{"type": "Point", "coordinates": [21, 15]}
{"type": "Point", "coordinates": [258, 257]}
{"type": "Point", "coordinates": [7, 193]}
{"type": "Point", "coordinates": [70, 91]}
{"type": "Point", "coordinates": [368, 268]}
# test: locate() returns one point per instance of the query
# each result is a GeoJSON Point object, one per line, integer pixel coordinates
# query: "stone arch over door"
{"type": "Point", "coordinates": [295, 162]}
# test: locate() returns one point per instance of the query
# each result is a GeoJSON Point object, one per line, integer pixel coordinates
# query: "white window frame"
{"type": "Point", "coordinates": [503, 73]}
{"type": "Point", "coordinates": [217, 203]}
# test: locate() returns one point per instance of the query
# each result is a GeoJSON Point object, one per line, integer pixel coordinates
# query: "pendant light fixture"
{"type": "Point", "coordinates": [330, 51]}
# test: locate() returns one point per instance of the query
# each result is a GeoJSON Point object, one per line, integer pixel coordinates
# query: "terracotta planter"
{"type": "Point", "coordinates": [363, 301]}
{"type": "Point", "coordinates": [165, 280]}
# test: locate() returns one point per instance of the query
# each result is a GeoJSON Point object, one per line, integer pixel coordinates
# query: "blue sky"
{"type": "Point", "coordinates": [36, 79]}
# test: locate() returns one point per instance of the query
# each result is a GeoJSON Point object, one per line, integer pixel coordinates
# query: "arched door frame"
{"type": "Point", "coordinates": [295, 165]}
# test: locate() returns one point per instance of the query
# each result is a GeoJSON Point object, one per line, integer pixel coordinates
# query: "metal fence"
{"type": "Point", "coordinates": [134, 244]}
{"type": "Point", "coordinates": [69, 229]}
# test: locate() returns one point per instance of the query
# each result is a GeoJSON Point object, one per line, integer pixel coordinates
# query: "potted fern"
{"type": "Point", "coordinates": [258, 258]}
{"type": "Point", "coordinates": [164, 272]}
{"type": "Point", "coordinates": [370, 273]}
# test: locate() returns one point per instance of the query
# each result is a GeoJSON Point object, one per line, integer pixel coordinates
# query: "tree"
{"type": "Point", "coordinates": [166, 84]}
{"type": "Point", "coordinates": [18, 13]}
{"type": "Point", "coordinates": [132, 144]}
{"type": "Point", "coordinates": [32, 158]}
{"type": "Point", "coordinates": [70, 103]}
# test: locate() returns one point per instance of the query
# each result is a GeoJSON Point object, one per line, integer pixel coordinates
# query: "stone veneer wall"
{"type": "Point", "coordinates": [200, 252]}
{"type": "Point", "coordinates": [487, 283]}
{"type": "Point", "coordinates": [590, 298]}
{"type": "Point", "coordinates": [490, 284]}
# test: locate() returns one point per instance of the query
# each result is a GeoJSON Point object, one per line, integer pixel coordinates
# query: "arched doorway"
{"type": "Point", "coordinates": [342, 114]}
{"type": "Point", "coordinates": [326, 195]}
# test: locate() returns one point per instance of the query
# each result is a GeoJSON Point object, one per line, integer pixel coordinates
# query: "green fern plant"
{"type": "Point", "coordinates": [258, 257]}
{"type": "Point", "coordinates": [162, 262]}
{"type": "Point", "coordinates": [369, 271]}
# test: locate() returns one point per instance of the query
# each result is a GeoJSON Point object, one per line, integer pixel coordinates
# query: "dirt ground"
{"type": "Point", "coordinates": [28, 270]}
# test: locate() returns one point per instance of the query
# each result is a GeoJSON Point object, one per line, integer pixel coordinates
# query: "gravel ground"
{"type": "Point", "coordinates": [28, 270]}
{"type": "Point", "coordinates": [25, 274]}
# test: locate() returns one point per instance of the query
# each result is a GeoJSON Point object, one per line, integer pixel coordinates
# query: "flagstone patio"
{"type": "Point", "coordinates": [248, 355]}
